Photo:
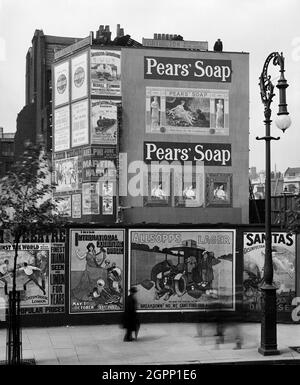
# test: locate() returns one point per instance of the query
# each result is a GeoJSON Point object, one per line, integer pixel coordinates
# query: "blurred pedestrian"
{"type": "Point", "coordinates": [130, 318]}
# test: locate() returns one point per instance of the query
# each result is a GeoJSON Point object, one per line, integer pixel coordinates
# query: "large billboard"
{"type": "Point", "coordinates": [40, 273]}
{"type": "Point", "coordinates": [104, 122]}
{"type": "Point", "coordinates": [192, 111]}
{"type": "Point", "coordinates": [62, 129]}
{"type": "Point", "coordinates": [96, 270]}
{"type": "Point", "coordinates": [61, 84]}
{"type": "Point", "coordinates": [79, 76]}
{"type": "Point", "coordinates": [284, 261]}
{"type": "Point", "coordinates": [183, 270]}
{"type": "Point", "coordinates": [105, 72]}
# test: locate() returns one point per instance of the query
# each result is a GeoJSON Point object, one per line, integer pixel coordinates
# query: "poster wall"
{"type": "Point", "coordinates": [104, 122]}
{"type": "Point", "coordinates": [187, 111]}
{"type": "Point", "coordinates": [96, 270]}
{"type": "Point", "coordinates": [178, 270]}
{"type": "Point", "coordinates": [283, 255]}
{"type": "Point", "coordinates": [105, 72]}
{"type": "Point", "coordinates": [67, 178]}
{"type": "Point", "coordinates": [61, 83]}
{"type": "Point", "coordinates": [90, 198]}
{"type": "Point", "coordinates": [40, 271]}
{"type": "Point", "coordinates": [79, 76]}
{"type": "Point", "coordinates": [62, 129]}
{"type": "Point", "coordinates": [80, 123]}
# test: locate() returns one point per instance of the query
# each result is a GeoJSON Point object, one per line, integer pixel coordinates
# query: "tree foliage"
{"type": "Point", "coordinates": [293, 217]}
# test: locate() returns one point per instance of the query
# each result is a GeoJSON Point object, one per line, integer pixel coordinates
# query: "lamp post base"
{"type": "Point", "coordinates": [268, 321]}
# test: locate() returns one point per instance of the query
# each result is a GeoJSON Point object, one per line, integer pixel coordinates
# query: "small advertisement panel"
{"type": "Point", "coordinates": [61, 83]}
{"type": "Point", "coordinates": [67, 178]}
{"type": "Point", "coordinates": [62, 129]}
{"type": "Point", "coordinates": [76, 206]}
{"type": "Point", "coordinates": [40, 272]}
{"type": "Point", "coordinates": [80, 123]}
{"type": "Point", "coordinates": [104, 122]}
{"type": "Point", "coordinates": [105, 72]}
{"type": "Point", "coordinates": [187, 111]}
{"type": "Point", "coordinates": [183, 270]}
{"type": "Point", "coordinates": [90, 198]}
{"type": "Point", "coordinates": [96, 270]}
{"type": "Point", "coordinates": [79, 76]}
{"type": "Point", "coordinates": [96, 168]}
{"type": "Point", "coordinates": [283, 256]}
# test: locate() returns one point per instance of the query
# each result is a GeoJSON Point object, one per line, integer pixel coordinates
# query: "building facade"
{"type": "Point", "coordinates": [151, 133]}
{"type": "Point", "coordinates": [7, 150]}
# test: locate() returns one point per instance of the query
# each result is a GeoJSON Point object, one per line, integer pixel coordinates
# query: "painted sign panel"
{"type": "Point", "coordinates": [90, 198]}
{"type": "Point", "coordinates": [188, 69]}
{"type": "Point", "coordinates": [283, 255]}
{"type": "Point", "coordinates": [95, 168]}
{"type": "Point", "coordinates": [80, 123]}
{"type": "Point", "coordinates": [104, 122]}
{"type": "Point", "coordinates": [40, 271]}
{"type": "Point", "coordinates": [187, 111]}
{"type": "Point", "coordinates": [211, 154]}
{"type": "Point", "coordinates": [61, 83]}
{"type": "Point", "coordinates": [62, 129]}
{"type": "Point", "coordinates": [67, 174]}
{"type": "Point", "coordinates": [96, 270]}
{"type": "Point", "coordinates": [79, 76]}
{"type": "Point", "coordinates": [105, 72]}
{"type": "Point", "coordinates": [76, 206]}
{"type": "Point", "coordinates": [178, 270]}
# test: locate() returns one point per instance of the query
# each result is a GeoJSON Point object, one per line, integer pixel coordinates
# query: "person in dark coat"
{"type": "Point", "coordinates": [131, 322]}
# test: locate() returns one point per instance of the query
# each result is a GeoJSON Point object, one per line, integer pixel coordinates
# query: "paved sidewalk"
{"type": "Point", "coordinates": [174, 343]}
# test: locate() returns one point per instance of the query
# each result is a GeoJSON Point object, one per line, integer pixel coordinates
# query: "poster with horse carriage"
{"type": "Point", "coordinates": [183, 270]}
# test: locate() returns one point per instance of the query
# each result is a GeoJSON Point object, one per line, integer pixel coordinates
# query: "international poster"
{"type": "Point", "coordinates": [187, 111]}
{"type": "Point", "coordinates": [80, 123]}
{"type": "Point", "coordinates": [66, 170]}
{"type": "Point", "coordinates": [79, 76]}
{"type": "Point", "coordinates": [62, 129]}
{"type": "Point", "coordinates": [183, 270]}
{"type": "Point", "coordinates": [90, 198]}
{"type": "Point", "coordinates": [96, 270]}
{"type": "Point", "coordinates": [104, 122]}
{"type": "Point", "coordinates": [283, 256]}
{"type": "Point", "coordinates": [40, 273]}
{"type": "Point", "coordinates": [61, 83]}
{"type": "Point", "coordinates": [105, 72]}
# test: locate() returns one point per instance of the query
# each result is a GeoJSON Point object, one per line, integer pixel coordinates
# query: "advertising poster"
{"type": "Point", "coordinates": [64, 205]}
{"type": "Point", "coordinates": [61, 83]}
{"type": "Point", "coordinates": [95, 168]}
{"type": "Point", "coordinates": [80, 123]}
{"type": "Point", "coordinates": [283, 255]}
{"type": "Point", "coordinates": [96, 270]}
{"type": "Point", "coordinates": [105, 72]}
{"type": "Point", "coordinates": [187, 111]}
{"type": "Point", "coordinates": [178, 270]}
{"type": "Point", "coordinates": [104, 122]}
{"type": "Point", "coordinates": [67, 174]}
{"type": "Point", "coordinates": [62, 129]}
{"type": "Point", "coordinates": [79, 76]}
{"type": "Point", "coordinates": [189, 186]}
{"type": "Point", "coordinates": [40, 271]}
{"type": "Point", "coordinates": [219, 190]}
{"type": "Point", "coordinates": [90, 198]}
{"type": "Point", "coordinates": [76, 206]}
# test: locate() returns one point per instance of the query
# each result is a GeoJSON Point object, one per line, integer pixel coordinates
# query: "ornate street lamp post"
{"type": "Point", "coordinates": [268, 290]}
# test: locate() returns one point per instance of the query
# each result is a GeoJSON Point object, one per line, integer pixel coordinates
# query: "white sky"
{"type": "Point", "coordinates": [255, 26]}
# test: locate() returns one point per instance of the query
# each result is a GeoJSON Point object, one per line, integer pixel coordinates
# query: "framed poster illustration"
{"type": "Point", "coordinates": [219, 190]}
{"type": "Point", "coordinates": [61, 83]}
{"type": "Point", "coordinates": [80, 123]}
{"type": "Point", "coordinates": [79, 76]}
